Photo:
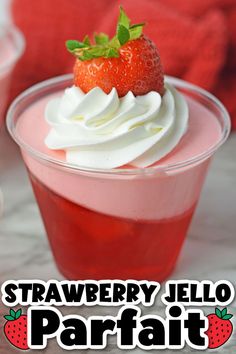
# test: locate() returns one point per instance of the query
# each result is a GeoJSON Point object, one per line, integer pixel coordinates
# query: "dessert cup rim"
{"type": "Point", "coordinates": [19, 45]}
{"type": "Point", "coordinates": [43, 158]}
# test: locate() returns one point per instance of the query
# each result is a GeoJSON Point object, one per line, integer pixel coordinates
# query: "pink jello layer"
{"type": "Point", "coordinates": [155, 196]}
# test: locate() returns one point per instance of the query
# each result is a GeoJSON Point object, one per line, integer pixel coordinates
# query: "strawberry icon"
{"type": "Point", "coordinates": [220, 328]}
{"type": "Point", "coordinates": [15, 329]}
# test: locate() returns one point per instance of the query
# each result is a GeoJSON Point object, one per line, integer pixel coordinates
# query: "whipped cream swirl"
{"type": "Point", "coordinates": [99, 130]}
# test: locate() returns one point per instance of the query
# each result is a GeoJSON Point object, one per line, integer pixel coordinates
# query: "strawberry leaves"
{"type": "Point", "coordinates": [86, 41]}
{"type": "Point", "coordinates": [9, 318]}
{"type": "Point", "coordinates": [135, 31]}
{"type": "Point", "coordinates": [122, 31]}
{"type": "Point", "coordinates": [123, 34]}
{"type": "Point", "coordinates": [218, 313]}
{"type": "Point", "coordinates": [101, 39]}
{"type": "Point", "coordinates": [126, 31]}
{"type": "Point", "coordinates": [18, 314]}
{"type": "Point", "coordinates": [13, 315]}
{"type": "Point", "coordinates": [223, 314]}
{"type": "Point", "coordinates": [73, 45]}
{"type": "Point", "coordinates": [85, 51]}
{"type": "Point", "coordinates": [123, 19]}
{"type": "Point", "coordinates": [105, 47]}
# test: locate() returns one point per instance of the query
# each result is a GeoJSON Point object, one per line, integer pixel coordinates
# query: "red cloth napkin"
{"type": "Point", "coordinates": [196, 39]}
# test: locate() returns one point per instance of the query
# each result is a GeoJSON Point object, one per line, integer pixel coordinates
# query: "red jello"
{"type": "Point", "coordinates": [90, 245]}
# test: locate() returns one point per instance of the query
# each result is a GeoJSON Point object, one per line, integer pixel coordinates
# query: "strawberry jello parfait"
{"type": "Point", "coordinates": [117, 159]}
{"type": "Point", "coordinates": [11, 48]}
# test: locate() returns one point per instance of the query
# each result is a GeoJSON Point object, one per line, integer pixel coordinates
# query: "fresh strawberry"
{"type": "Point", "coordinates": [220, 328]}
{"type": "Point", "coordinates": [15, 329]}
{"type": "Point", "coordinates": [129, 61]}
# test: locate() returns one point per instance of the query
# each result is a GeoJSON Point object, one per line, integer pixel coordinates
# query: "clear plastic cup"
{"type": "Point", "coordinates": [121, 223]}
{"type": "Point", "coordinates": [12, 46]}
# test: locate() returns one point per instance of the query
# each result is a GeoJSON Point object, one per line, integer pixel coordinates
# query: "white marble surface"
{"type": "Point", "coordinates": [208, 253]}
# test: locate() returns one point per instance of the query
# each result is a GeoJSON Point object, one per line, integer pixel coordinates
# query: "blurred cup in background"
{"type": "Point", "coordinates": [12, 46]}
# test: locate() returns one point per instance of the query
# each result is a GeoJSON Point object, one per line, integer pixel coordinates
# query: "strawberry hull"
{"type": "Point", "coordinates": [90, 245]}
